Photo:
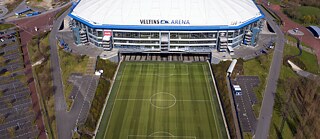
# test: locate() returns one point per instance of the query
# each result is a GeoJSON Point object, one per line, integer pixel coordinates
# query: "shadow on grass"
{"type": "Point", "coordinates": [278, 132]}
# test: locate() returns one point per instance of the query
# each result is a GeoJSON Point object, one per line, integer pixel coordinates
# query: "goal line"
{"type": "Point", "coordinates": [159, 137]}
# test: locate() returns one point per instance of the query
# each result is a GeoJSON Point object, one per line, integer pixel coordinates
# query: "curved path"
{"type": "Point", "coordinates": [3, 10]}
{"type": "Point", "coordinates": [307, 38]}
{"type": "Point", "coordinates": [22, 5]}
{"type": "Point", "coordinates": [63, 124]}
{"type": "Point", "coordinates": [303, 73]}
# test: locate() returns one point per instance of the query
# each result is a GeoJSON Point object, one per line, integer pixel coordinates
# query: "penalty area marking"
{"type": "Point", "coordinates": [164, 75]}
{"type": "Point", "coordinates": [160, 134]}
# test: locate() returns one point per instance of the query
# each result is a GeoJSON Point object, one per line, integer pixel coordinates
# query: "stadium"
{"type": "Point", "coordinates": [166, 26]}
{"type": "Point", "coordinates": [168, 100]}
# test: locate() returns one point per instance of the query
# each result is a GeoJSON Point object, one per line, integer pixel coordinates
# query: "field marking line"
{"type": "Point", "coordinates": [154, 133]}
{"type": "Point", "coordinates": [219, 101]}
{"type": "Point", "coordinates": [106, 101]}
{"type": "Point", "coordinates": [148, 136]}
{"type": "Point", "coordinates": [84, 100]}
{"type": "Point", "coordinates": [152, 66]}
{"type": "Point", "coordinates": [210, 95]}
{"type": "Point", "coordinates": [195, 100]}
{"type": "Point", "coordinates": [163, 75]}
{"type": "Point", "coordinates": [163, 107]}
{"type": "Point", "coordinates": [114, 103]}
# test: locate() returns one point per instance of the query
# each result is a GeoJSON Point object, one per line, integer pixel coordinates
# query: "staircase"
{"type": "Point", "coordinates": [91, 66]}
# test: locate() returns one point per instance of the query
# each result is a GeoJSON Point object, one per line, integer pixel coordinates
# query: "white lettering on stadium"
{"type": "Point", "coordinates": [152, 21]}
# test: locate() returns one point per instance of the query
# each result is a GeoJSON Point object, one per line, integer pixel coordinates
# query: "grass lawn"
{"type": "Point", "coordinates": [220, 75]}
{"type": "Point", "coordinates": [310, 60]}
{"type": "Point", "coordinates": [6, 26]}
{"type": "Point", "coordinates": [258, 67]}
{"type": "Point", "coordinates": [97, 104]}
{"type": "Point", "coordinates": [70, 63]}
{"type": "Point", "coordinates": [285, 73]}
{"type": "Point", "coordinates": [247, 135]}
{"type": "Point", "coordinates": [35, 52]}
{"type": "Point", "coordinates": [162, 100]}
{"type": "Point", "coordinates": [13, 5]}
{"type": "Point", "coordinates": [44, 86]}
{"type": "Point", "coordinates": [275, 1]}
{"type": "Point", "coordinates": [308, 10]}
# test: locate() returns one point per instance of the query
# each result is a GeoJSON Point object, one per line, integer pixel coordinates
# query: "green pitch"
{"type": "Point", "coordinates": [156, 100]}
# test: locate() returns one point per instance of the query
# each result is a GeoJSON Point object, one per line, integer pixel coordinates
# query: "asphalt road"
{"type": "Point", "coordinates": [63, 124]}
{"type": "Point", "coordinates": [22, 5]}
{"type": "Point", "coordinates": [67, 120]}
{"type": "Point", "coordinates": [263, 126]}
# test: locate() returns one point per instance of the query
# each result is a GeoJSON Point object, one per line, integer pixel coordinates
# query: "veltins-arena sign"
{"type": "Point", "coordinates": [157, 21]}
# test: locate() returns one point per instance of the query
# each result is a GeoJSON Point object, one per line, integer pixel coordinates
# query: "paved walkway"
{"type": "Point", "coordinates": [3, 10]}
{"type": "Point", "coordinates": [22, 5]}
{"type": "Point", "coordinates": [303, 73]}
{"type": "Point", "coordinates": [288, 24]}
{"type": "Point", "coordinates": [266, 110]}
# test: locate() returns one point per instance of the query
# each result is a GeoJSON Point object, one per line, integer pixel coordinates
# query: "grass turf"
{"type": "Point", "coordinates": [162, 100]}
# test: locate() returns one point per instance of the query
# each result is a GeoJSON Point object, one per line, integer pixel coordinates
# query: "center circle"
{"type": "Point", "coordinates": [163, 100]}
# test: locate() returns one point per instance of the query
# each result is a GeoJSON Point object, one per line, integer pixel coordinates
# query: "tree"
{"type": "Point", "coordinates": [7, 73]}
{"type": "Point", "coordinates": [2, 60]}
{"type": "Point", "coordinates": [2, 119]}
{"type": "Point", "coordinates": [306, 19]}
{"type": "Point", "coordinates": [11, 131]}
{"type": "Point", "coordinates": [313, 19]}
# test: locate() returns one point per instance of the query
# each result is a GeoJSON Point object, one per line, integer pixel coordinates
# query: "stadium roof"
{"type": "Point", "coordinates": [165, 13]}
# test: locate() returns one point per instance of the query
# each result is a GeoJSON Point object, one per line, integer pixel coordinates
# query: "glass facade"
{"type": "Point", "coordinates": [170, 40]}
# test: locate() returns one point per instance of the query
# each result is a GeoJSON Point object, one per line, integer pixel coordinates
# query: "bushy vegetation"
{"type": "Point", "coordinates": [109, 69]}
{"type": "Point", "coordinates": [39, 48]}
{"type": "Point", "coordinates": [303, 11]}
{"type": "Point", "coordinates": [306, 61]}
{"type": "Point", "coordinates": [296, 100]}
{"type": "Point", "coordinates": [70, 63]}
{"type": "Point", "coordinates": [295, 109]}
{"type": "Point", "coordinates": [304, 14]}
{"type": "Point", "coordinates": [258, 66]}
{"type": "Point", "coordinates": [12, 5]}
{"type": "Point", "coordinates": [220, 73]}
{"type": "Point", "coordinates": [5, 26]}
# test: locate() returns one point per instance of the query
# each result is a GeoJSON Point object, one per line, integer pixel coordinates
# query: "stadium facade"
{"type": "Point", "coordinates": [166, 25]}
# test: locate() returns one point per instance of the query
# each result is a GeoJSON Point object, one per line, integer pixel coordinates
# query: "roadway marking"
{"type": "Point", "coordinates": [84, 100]}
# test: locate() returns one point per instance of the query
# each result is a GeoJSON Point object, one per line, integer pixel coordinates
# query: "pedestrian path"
{"type": "Point", "coordinates": [288, 24]}
{"type": "Point", "coordinates": [91, 66]}
{"type": "Point", "coordinates": [303, 73]}
{"type": "Point", "coordinates": [3, 10]}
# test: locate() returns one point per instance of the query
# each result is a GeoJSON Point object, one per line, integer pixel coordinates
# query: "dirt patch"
{"type": "Point", "coordinates": [44, 4]}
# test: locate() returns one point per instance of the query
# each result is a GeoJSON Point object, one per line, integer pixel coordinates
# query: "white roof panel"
{"type": "Point", "coordinates": [167, 12]}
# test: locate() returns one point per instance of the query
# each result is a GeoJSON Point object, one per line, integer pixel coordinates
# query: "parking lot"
{"type": "Point", "coordinates": [17, 118]}
{"type": "Point", "coordinates": [84, 88]}
{"type": "Point", "coordinates": [245, 102]}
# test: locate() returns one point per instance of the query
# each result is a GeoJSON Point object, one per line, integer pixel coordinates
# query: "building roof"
{"type": "Point", "coordinates": [25, 9]}
{"type": "Point", "coordinates": [315, 30]}
{"type": "Point", "coordinates": [176, 13]}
